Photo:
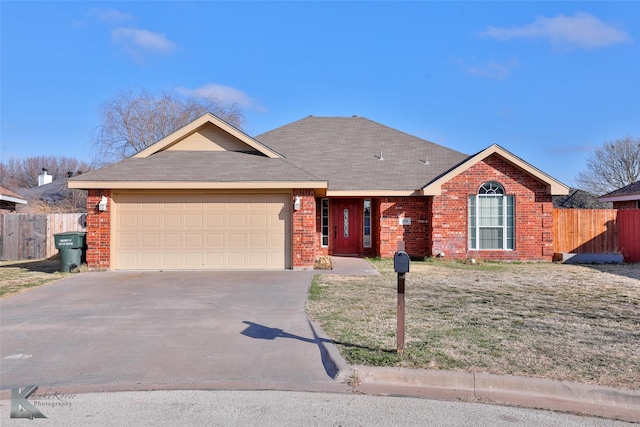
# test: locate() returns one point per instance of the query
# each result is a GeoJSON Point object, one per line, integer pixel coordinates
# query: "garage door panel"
{"type": "Point", "coordinates": [171, 220]}
{"type": "Point", "coordinates": [193, 240]}
{"type": "Point", "coordinates": [150, 221]}
{"type": "Point", "coordinates": [238, 260]}
{"type": "Point", "coordinates": [235, 240]}
{"type": "Point", "coordinates": [171, 260]}
{"type": "Point", "coordinates": [150, 260]}
{"type": "Point", "coordinates": [237, 220]}
{"type": "Point", "coordinates": [129, 240]}
{"type": "Point", "coordinates": [194, 221]}
{"type": "Point", "coordinates": [150, 240]}
{"type": "Point", "coordinates": [171, 240]}
{"type": "Point", "coordinates": [202, 231]}
{"type": "Point", "coordinates": [259, 240]}
{"type": "Point", "coordinates": [215, 221]}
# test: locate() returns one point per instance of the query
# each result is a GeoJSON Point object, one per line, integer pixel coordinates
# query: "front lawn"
{"type": "Point", "coordinates": [562, 322]}
{"type": "Point", "coordinates": [20, 276]}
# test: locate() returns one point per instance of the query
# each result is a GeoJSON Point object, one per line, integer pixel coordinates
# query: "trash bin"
{"type": "Point", "coordinates": [71, 248]}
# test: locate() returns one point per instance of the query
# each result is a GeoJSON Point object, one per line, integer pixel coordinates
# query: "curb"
{"type": "Point", "coordinates": [536, 393]}
{"type": "Point", "coordinates": [334, 364]}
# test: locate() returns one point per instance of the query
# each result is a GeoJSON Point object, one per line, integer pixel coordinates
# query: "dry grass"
{"type": "Point", "coordinates": [20, 276]}
{"type": "Point", "coordinates": [573, 323]}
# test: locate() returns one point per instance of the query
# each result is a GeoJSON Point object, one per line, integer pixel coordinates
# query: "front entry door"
{"type": "Point", "coordinates": [346, 227]}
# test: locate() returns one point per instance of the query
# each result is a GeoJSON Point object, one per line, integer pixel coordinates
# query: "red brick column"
{"type": "Point", "coordinates": [98, 230]}
{"type": "Point", "coordinates": [304, 229]}
{"type": "Point", "coordinates": [415, 236]}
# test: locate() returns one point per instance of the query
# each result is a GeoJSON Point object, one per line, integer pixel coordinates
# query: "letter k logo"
{"type": "Point", "coordinates": [20, 406]}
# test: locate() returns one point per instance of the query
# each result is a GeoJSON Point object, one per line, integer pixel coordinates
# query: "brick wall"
{"type": "Point", "coordinates": [389, 231]}
{"type": "Point", "coordinates": [98, 230]}
{"type": "Point", "coordinates": [533, 218]}
{"type": "Point", "coordinates": [304, 230]}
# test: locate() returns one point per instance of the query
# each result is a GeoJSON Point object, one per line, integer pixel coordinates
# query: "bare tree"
{"type": "Point", "coordinates": [614, 165]}
{"type": "Point", "coordinates": [130, 122]}
{"type": "Point", "coordinates": [23, 173]}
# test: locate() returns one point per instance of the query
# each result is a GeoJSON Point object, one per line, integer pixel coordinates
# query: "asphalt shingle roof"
{"type": "Point", "coordinates": [628, 190]}
{"type": "Point", "coordinates": [197, 166]}
{"type": "Point", "coordinates": [346, 152]}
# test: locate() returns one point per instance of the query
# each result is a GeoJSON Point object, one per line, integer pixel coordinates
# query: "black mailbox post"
{"type": "Point", "coordinates": [401, 266]}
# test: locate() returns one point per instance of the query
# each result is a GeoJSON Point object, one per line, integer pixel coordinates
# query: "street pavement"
{"type": "Point", "coordinates": [282, 408]}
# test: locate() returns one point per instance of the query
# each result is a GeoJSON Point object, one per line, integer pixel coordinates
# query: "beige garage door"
{"type": "Point", "coordinates": [202, 231]}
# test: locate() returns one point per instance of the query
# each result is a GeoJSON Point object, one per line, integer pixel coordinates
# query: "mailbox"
{"type": "Point", "coordinates": [401, 262]}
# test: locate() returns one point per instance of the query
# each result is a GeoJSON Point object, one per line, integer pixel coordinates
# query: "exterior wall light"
{"type": "Point", "coordinates": [296, 204]}
{"type": "Point", "coordinates": [102, 206]}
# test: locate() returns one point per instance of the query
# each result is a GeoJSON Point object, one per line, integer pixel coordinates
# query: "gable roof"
{"type": "Point", "coordinates": [336, 156]}
{"type": "Point", "coordinates": [347, 151]}
{"type": "Point", "coordinates": [9, 196]}
{"type": "Point", "coordinates": [199, 123]}
{"type": "Point", "coordinates": [434, 187]}
{"type": "Point", "coordinates": [207, 153]}
{"type": "Point", "coordinates": [628, 192]}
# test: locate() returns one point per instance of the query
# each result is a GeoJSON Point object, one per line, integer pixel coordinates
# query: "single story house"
{"type": "Point", "coordinates": [210, 196]}
{"type": "Point", "coordinates": [627, 197]}
{"type": "Point", "coordinates": [9, 200]}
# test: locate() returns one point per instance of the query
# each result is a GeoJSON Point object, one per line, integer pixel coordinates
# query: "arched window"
{"type": "Point", "coordinates": [491, 218]}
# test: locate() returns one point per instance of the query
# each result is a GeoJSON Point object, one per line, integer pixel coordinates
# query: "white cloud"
{"type": "Point", "coordinates": [493, 70]}
{"type": "Point", "coordinates": [110, 16]}
{"type": "Point", "coordinates": [142, 40]}
{"type": "Point", "coordinates": [222, 93]}
{"type": "Point", "coordinates": [579, 31]}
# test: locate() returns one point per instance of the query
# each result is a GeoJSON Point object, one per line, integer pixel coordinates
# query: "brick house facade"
{"type": "Point", "coordinates": [359, 198]}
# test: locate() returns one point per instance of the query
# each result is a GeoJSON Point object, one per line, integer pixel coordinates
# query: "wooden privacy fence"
{"type": "Point", "coordinates": [592, 231]}
{"type": "Point", "coordinates": [30, 236]}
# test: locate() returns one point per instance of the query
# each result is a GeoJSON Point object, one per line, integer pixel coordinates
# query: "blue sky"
{"type": "Point", "coordinates": [548, 81]}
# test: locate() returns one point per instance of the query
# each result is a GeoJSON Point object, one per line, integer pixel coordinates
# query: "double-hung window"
{"type": "Point", "coordinates": [491, 219]}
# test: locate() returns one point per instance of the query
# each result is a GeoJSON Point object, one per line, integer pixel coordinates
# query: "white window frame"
{"type": "Point", "coordinates": [324, 222]}
{"type": "Point", "coordinates": [503, 217]}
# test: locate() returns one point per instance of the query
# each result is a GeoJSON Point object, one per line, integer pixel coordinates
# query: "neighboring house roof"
{"type": "Point", "coordinates": [346, 152]}
{"type": "Point", "coordinates": [579, 199]}
{"type": "Point", "coordinates": [629, 192]}
{"type": "Point", "coordinates": [52, 192]}
{"type": "Point", "coordinates": [337, 156]}
{"type": "Point", "coordinates": [9, 196]}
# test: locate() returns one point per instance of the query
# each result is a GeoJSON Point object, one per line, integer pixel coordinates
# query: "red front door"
{"type": "Point", "coordinates": [346, 227]}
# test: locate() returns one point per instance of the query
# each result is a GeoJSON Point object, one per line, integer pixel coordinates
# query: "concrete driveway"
{"type": "Point", "coordinates": [163, 330]}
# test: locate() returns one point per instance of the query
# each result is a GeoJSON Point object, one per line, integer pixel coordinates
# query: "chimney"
{"type": "Point", "coordinates": [45, 178]}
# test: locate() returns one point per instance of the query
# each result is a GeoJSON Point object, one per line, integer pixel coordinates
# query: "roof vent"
{"type": "Point", "coordinates": [426, 160]}
{"type": "Point", "coordinates": [380, 156]}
